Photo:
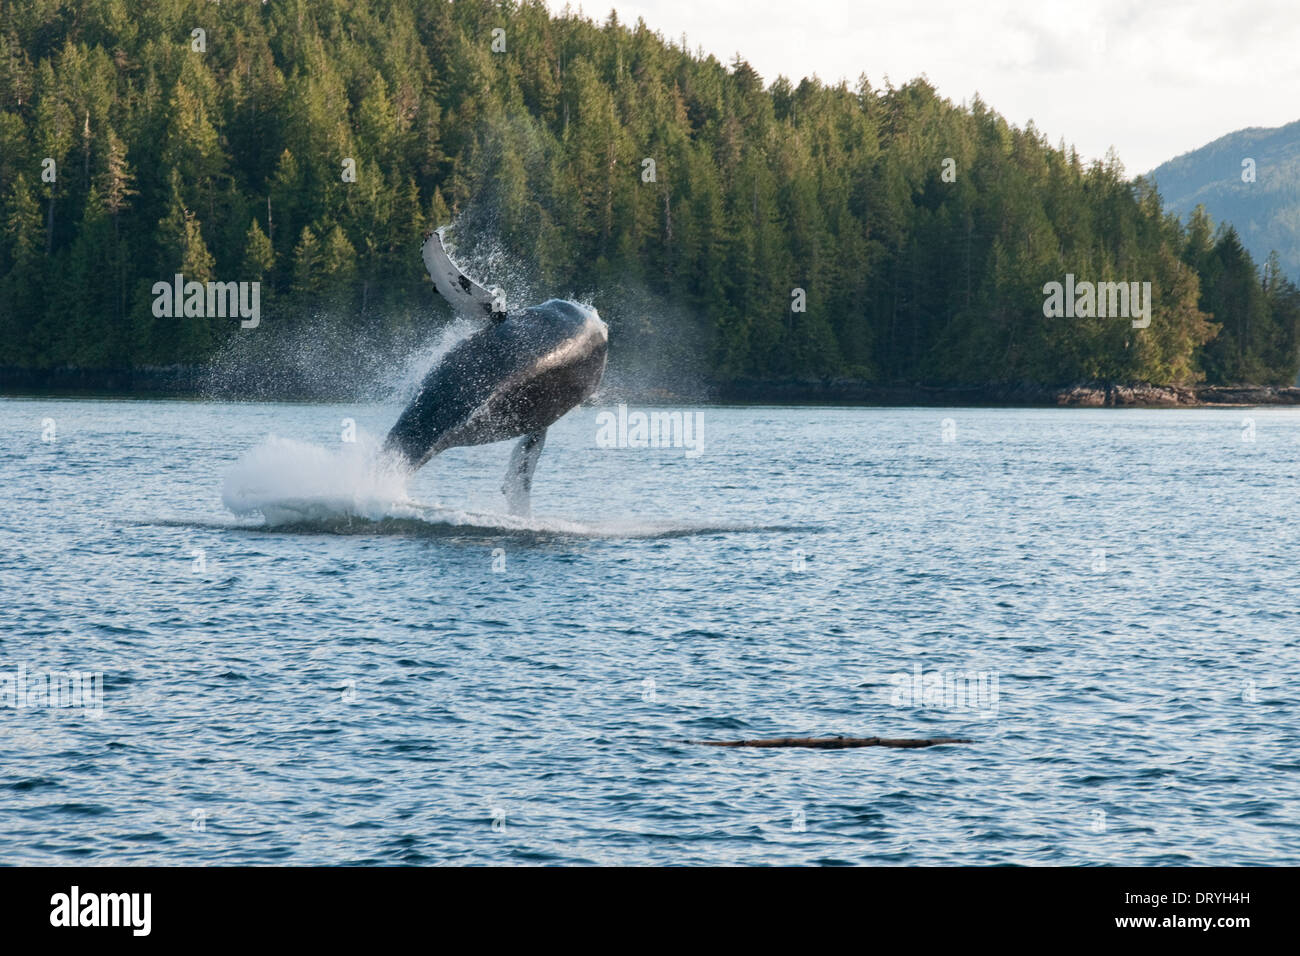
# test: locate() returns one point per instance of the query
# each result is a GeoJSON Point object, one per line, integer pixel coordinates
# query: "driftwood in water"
{"type": "Point", "coordinates": [835, 743]}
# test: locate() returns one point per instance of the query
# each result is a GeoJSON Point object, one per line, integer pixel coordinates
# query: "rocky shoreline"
{"type": "Point", "coordinates": [191, 382]}
{"type": "Point", "coordinates": [1089, 395]}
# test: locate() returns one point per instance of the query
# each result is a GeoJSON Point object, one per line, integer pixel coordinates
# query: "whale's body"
{"type": "Point", "coordinates": [514, 377]}
{"type": "Point", "coordinates": [511, 379]}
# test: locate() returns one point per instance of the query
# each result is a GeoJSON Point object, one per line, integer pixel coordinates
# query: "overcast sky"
{"type": "Point", "coordinates": [1153, 78]}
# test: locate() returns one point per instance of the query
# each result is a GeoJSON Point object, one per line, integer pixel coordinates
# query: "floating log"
{"type": "Point", "coordinates": [835, 743]}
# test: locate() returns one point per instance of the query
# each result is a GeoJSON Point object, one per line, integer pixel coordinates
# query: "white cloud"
{"type": "Point", "coordinates": [1153, 79]}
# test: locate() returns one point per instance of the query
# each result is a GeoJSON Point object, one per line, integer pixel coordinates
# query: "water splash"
{"type": "Point", "coordinates": [482, 256]}
{"type": "Point", "coordinates": [402, 380]}
{"type": "Point", "coordinates": [288, 481]}
{"type": "Point", "coordinates": [353, 487]}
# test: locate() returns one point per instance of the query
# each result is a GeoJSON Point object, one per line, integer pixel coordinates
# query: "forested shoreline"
{"type": "Point", "coordinates": [735, 233]}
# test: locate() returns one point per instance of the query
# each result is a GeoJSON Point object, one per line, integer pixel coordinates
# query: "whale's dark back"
{"type": "Point", "coordinates": [512, 378]}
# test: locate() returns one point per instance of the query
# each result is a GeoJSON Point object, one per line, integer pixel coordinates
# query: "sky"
{"type": "Point", "coordinates": [1154, 78]}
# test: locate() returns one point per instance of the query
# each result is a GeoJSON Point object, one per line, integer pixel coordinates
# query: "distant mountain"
{"type": "Point", "coordinates": [1266, 212]}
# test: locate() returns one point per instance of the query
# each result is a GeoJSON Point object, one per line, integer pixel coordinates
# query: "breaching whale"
{"type": "Point", "coordinates": [511, 379]}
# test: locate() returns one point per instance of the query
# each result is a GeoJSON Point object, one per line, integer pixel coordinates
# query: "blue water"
{"type": "Point", "coordinates": [362, 686]}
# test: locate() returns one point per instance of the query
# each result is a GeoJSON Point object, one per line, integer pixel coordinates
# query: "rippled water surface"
{"type": "Point", "coordinates": [408, 676]}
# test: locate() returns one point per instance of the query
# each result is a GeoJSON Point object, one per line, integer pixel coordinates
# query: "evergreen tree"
{"type": "Point", "coordinates": [920, 233]}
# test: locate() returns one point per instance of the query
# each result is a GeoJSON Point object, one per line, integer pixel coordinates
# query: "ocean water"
{"type": "Point", "coordinates": [1103, 601]}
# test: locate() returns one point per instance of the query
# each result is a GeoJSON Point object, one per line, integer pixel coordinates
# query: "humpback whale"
{"type": "Point", "coordinates": [513, 378]}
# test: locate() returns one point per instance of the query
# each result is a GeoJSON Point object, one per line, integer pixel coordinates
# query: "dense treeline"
{"type": "Point", "coordinates": [921, 233]}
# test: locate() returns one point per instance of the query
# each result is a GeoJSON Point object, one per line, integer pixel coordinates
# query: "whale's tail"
{"type": "Point", "coordinates": [465, 295]}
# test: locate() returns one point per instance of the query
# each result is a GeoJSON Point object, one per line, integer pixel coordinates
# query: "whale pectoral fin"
{"type": "Point", "coordinates": [518, 485]}
{"type": "Point", "coordinates": [465, 295]}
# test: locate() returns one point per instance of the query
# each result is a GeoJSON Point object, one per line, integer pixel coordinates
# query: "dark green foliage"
{"type": "Point", "coordinates": [228, 164]}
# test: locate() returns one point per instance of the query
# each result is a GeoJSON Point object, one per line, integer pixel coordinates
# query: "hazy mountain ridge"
{"type": "Point", "coordinates": [1266, 212]}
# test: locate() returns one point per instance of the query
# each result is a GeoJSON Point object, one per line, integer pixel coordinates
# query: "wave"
{"type": "Point", "coordinates": [353, 488]}
{"type": "Point", "coordinates": [436, 521]}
